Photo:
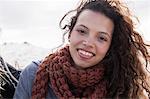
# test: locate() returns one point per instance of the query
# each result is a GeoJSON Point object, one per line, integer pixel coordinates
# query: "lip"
{"type": "Point", "coordinates": [86, 51]}
{"type": "Point", "coordinates": [83, 56]}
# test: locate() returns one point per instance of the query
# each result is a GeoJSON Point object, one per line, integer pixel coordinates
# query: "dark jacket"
{"type": "Point", "coordinates": [8, 79]}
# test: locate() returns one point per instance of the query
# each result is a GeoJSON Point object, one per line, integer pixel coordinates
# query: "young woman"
{"type": "Point", "coordinates": [102, 59]}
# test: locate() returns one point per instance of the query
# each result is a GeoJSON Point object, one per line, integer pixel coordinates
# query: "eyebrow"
{"type": "Point", "coordinates": [105, 33]}
{"type": "Point", "coordinates": [83, 26]}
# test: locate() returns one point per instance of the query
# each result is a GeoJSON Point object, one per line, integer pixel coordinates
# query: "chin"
{"type": "Point", "coordinates": [83, 65]}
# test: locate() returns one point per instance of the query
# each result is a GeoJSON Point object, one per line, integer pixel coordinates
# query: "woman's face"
{"type": "Point", "coordinates": [90, 38]}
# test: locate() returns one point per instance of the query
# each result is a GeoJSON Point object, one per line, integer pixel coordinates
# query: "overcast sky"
{"type": "Point", "coordinates": [37, 21]}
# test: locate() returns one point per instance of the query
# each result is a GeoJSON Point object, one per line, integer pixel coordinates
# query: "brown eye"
{"type": "Point", "coordinates": [101, 38]}
{"type": "Point", "coordinates": [81, 31]}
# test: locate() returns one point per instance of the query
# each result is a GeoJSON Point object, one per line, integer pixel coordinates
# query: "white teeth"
{"type": "Point", "coordinates": [85, 53]}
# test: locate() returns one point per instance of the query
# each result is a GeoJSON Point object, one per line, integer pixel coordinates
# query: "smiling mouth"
{"type": "Point", "coordinates": [85, 54]}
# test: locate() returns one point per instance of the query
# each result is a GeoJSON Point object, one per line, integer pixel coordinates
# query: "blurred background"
{"type": "Point", "coordinates": [37, 21]}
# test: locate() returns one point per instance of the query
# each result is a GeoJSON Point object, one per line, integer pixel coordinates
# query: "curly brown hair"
{"type": "Point", "coordinates": [125, 71]}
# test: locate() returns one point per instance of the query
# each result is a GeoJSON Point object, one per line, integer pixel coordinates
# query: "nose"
{"type": "Point", "coordinates": [88, 42]}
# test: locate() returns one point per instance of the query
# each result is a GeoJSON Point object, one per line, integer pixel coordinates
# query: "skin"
{"type": "Point", "coordinates": [90, 38]}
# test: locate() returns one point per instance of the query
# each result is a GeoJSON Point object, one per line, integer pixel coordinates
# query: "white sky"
{"type": "Point", "coordinates": [37, 21]}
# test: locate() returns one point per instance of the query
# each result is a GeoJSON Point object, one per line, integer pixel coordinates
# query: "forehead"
{"type": "Point", "coordinates": [95, 20]}
{"type": "Point", "coordinates": [94, 16]}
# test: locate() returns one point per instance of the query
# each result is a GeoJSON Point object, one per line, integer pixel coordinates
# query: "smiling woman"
{"type": "Point", "coordinates": [90, 40]}
{"type": "Point", "coordinates": [101, 60]}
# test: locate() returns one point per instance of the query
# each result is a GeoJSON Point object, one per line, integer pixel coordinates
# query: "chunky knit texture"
{"type": "Point", "coordinates": [66, 80]}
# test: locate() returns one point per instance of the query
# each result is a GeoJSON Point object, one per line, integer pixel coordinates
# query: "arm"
{"type": "Point", "coordinates": [24, 87]}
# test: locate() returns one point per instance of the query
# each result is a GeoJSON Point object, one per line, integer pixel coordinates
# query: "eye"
{"type": "Point", "coordinates": [102, 38]}
{"type": "Point", "coordinates": [81, 31]}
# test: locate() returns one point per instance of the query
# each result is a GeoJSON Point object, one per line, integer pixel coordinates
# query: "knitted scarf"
{"type": "Point", "coordinates": [66, 80]}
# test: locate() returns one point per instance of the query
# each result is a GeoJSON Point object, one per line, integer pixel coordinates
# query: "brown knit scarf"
{"type": "Point", "coordinates": [66, 80]}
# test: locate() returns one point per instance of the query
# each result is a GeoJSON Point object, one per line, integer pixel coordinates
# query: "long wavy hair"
{"type": "Point", "coordinates": [125, 72]}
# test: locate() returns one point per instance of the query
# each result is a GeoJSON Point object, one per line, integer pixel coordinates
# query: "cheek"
{"type": "Point", "coordinates": [75, 39]}
{"type": "Point", "coordinates": [103, 49]}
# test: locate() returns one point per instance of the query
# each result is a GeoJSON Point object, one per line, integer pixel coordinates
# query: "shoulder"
{"type": "Point", "coordinates": [31, 68]}
{"type": "Point", "coordinates": [24, 87]}
{"type": "Point", "coordinates": [29, 72]}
